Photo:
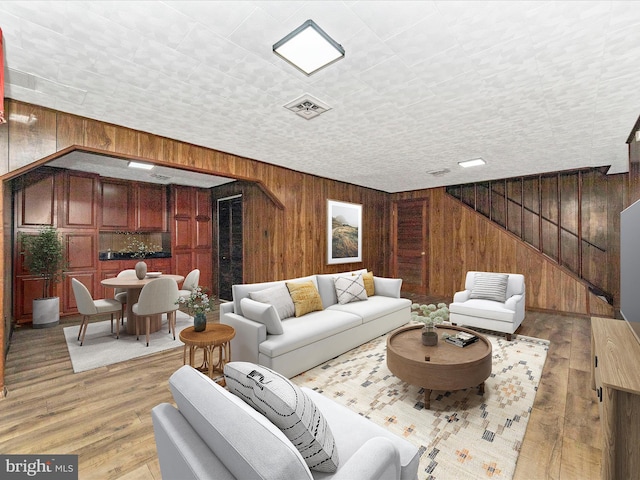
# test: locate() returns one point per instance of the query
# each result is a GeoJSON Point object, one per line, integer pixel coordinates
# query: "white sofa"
{"type": "Point", "coordinates": [500, 316]}
{"type": "Point", "coordinates": [213, 434]}
{"type": "Point", "coordinates": [316, 337]}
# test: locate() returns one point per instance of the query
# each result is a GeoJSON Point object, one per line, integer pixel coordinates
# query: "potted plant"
{"type": "Point", "coordinates": [431, 315]}
{"type": "Point", "coordinates": [198, 303]}
{"type": "Point", "coordinates": [44, 256]}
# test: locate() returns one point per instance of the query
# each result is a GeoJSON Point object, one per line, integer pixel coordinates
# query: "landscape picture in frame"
{"type": "Point", "coordinates": [344, 232]}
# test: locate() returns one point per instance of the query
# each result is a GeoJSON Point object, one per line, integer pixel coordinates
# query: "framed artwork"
{"type": "Point", "coordinates": [344, 232]}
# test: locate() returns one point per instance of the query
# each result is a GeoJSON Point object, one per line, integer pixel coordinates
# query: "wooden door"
{"type": "Point", "coordinates": [229, 245]}
{"type": "Point", "coordinates": [411, 244]}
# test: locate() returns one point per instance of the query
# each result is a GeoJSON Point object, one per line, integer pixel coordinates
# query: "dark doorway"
{"type": "Point", "coordinates": [229, 245]}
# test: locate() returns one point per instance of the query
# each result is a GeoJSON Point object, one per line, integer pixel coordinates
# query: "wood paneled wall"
{"type": "Point", "coordinates": [290, 206]}
{"type": "Point", "coordinates": [287, 209]}
{"type": "Point", "coordinates": [572, 217]}
{"type": "Point", "coordinates": [286, 212]}
{"type": "Point", "coordinates": [462, 240]}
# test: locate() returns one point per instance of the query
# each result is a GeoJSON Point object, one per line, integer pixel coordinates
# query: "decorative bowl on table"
{"type": "Point", "coordinates": [153, 274]}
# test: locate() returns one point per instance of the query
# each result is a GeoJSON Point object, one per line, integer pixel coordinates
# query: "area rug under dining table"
{"type": "Point", "coordinates": [101, 347]}
{"type": "Point", "coordinates": [464, 435]}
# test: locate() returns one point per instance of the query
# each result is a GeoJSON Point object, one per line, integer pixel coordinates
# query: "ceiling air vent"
{"type": "Point", "coordinates": [307, 107]}
{"type": "Point", "coordinates": [160, 177]}
{"type": "Point", "coordinates": [439, 172]}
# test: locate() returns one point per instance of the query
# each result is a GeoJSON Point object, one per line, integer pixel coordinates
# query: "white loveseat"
{"type": "Point", "coordinates": [313, 338]}
{"type": "Point", "coordinates": [475, 306]}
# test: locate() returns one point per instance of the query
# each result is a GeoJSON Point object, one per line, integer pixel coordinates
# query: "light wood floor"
{"type": "Point", "coordinates": [103, 415]}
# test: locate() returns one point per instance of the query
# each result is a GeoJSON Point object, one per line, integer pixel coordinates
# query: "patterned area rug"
{"type": "Point", "coordinates": [464, 434]}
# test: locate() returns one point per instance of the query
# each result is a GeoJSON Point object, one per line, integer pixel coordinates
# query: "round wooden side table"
{"type": "Point", "coordinates": [215, 335]}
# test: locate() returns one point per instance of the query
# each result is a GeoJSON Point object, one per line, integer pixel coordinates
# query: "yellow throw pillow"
{"type": "Point", "coordinates": [305, 297]}
{"type": "Point", "coordinates": [367, 278]}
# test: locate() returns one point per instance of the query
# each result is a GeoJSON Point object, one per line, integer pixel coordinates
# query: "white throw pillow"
{"type": "Point", "coordinates": [288, 408]}
{"type": "Point", "coordinates": [350, 289]}
{"type": "Point", "coordinates": [262, 313]}
{"type": "Point", "coordinates": [490, 286]}
{"type": "Point", "coordinates": [277, 296]}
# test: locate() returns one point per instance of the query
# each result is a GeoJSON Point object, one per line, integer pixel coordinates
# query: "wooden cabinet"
{"type": "Point", "coordinates": [115, 205]}
{"type": "Point", "coordinates": [79, 205]}
{"type": "Point", "coordinates": [191, 232]}
{"type": "Point", "coordinates": [616, 379]}
{"type": "Point", "coordinates": [132, 206]}
{"type": "Point", "coordinates": [150, 207]}
{"type": "Point", "coordinates": [82, 263]}
{"type": "Point", "coordinates": [35, 199]}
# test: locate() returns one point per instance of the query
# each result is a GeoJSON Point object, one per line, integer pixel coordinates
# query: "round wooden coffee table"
{"type": "Point", "coordinates": [215, 335]}
{"type": "Point", "coordinates": [442, 367]}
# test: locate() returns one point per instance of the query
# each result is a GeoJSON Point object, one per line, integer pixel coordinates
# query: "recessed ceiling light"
{"type": "Point", "coordinates": [472, 163]}
{"type": "Point", "coordinates": [309, 48]}
{"type": "Point", "coordinates": [140, 165]}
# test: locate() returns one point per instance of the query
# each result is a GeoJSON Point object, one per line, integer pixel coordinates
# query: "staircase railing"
{"type": "Point", "coordinates": [545, 211]}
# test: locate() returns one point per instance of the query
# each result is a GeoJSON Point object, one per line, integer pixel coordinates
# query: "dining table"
{"type": "Point", "coordinates": [134, 287]}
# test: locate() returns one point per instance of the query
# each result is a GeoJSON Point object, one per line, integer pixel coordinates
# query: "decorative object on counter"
{"type": "Point", "coordinates": [198, 304]}
{"type": "Point", "coordinates": [140, 249]}
{"type": "Point", "coordinates": [44, 256]}
{"type": "Point", "coordinates": [431, 315]}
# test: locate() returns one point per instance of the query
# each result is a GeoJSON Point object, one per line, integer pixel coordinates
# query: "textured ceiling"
{"type": "Point", "coordinates": [529, 86]}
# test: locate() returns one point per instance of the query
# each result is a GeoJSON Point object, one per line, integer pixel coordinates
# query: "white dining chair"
{"type": "Point", "coordinates": [157, 297]}
{"type": "Point", "coordinates": [120, 294]}
{"type": "Point", "coordinates": [190, 283]}
{"type": "Point", "coordinates": [89, 307]}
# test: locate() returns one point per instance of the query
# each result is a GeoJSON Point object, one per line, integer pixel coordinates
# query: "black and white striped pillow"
{"type": "Point", "coordinates": [490, 286]}
{"type": "Point", "coordinates": [288, 408]}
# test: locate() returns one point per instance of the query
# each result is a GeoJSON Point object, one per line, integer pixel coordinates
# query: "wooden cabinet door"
{"type": "Point", "coordinates": [116, 205]}
{"type": "Point", "coordinates": [35, 201]}
{"type": "Point", "coordinates": [27, 290]}
{"type": "Point", "coordinates": [79, 206]}
{"type": "Point", "coordinates": [82, 263]}
{"type": "Point", "coordinates": [151, 207]}
{"type": "Point", "coordinates": [181, 201]}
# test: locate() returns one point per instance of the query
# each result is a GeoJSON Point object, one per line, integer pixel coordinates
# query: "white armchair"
{"type": "Point", "coordinates": [490, 301]}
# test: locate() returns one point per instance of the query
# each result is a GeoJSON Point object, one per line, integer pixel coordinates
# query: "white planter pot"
{"type": "Point", "coordinates": [46, 312]}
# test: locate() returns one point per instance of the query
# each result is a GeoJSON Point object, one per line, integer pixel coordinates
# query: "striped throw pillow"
{"type": "Point", "coordinates": [288, 408]}
{"type": "Point", "coordinates": [490, 286]}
